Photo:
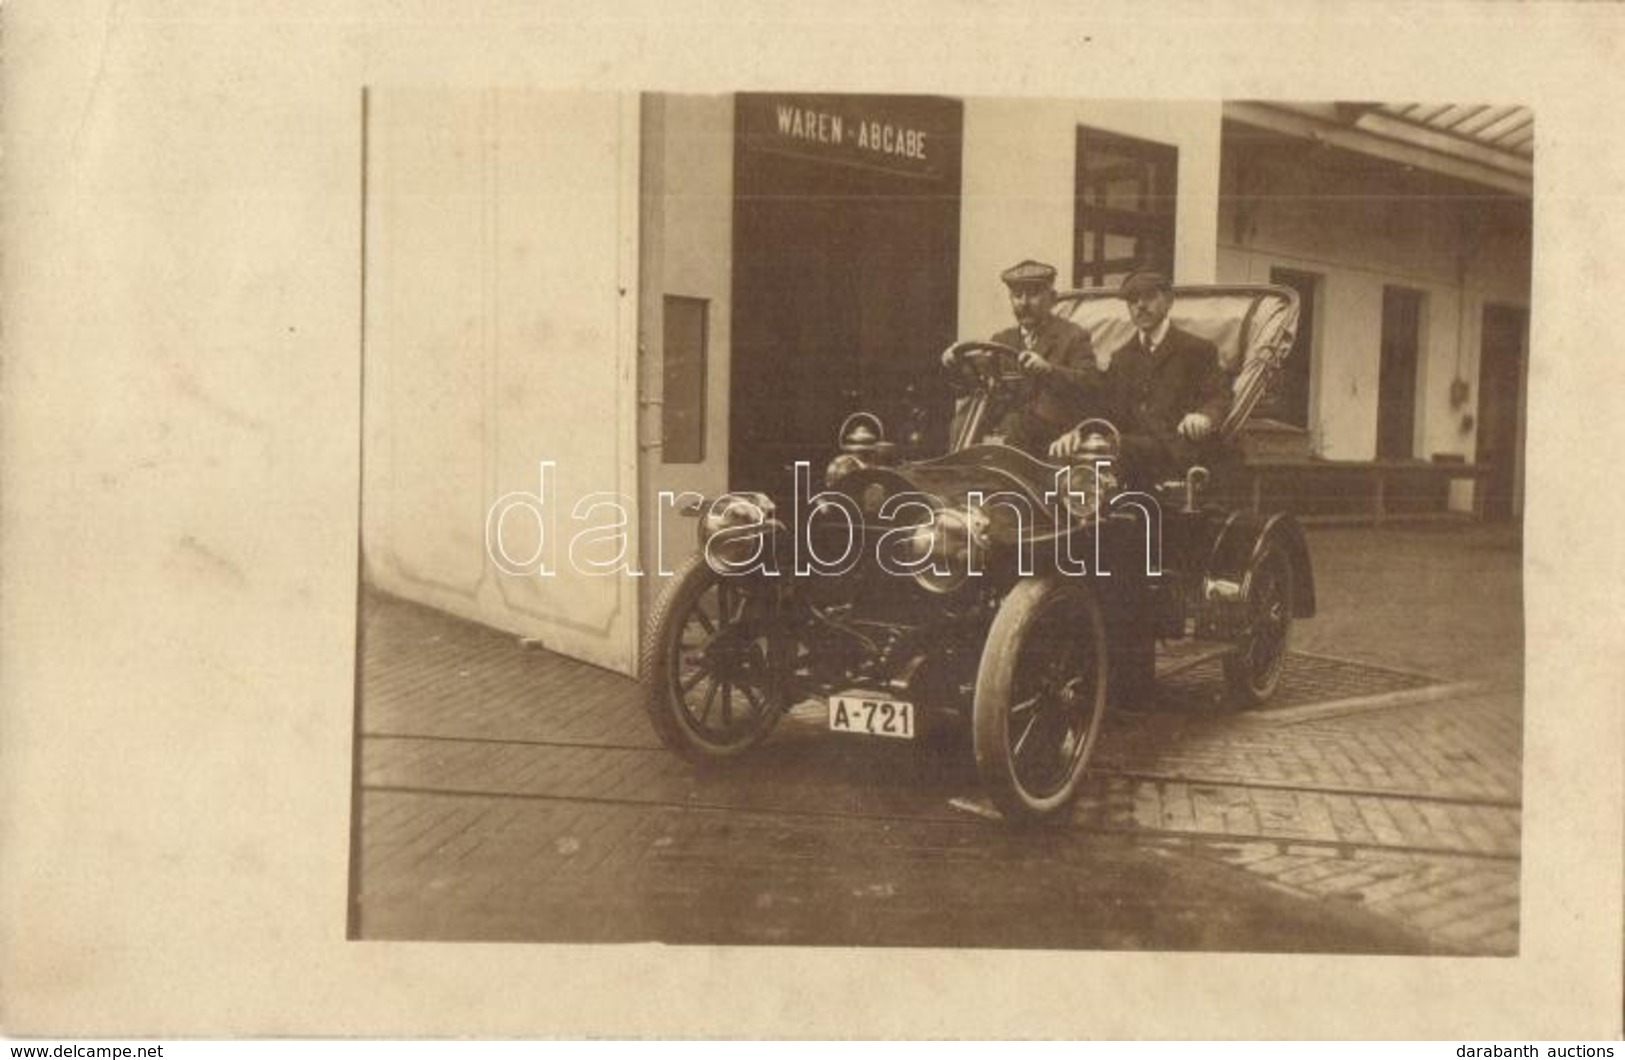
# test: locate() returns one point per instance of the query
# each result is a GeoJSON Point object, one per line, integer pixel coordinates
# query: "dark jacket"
{"type": "Point", "coordinates": [1074, 390]}
{"type": "Point", "coordinates": [1153, 393]}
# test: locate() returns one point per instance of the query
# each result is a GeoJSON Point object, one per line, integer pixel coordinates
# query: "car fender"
{"type": "Point", "coordinates": [1240, 537]}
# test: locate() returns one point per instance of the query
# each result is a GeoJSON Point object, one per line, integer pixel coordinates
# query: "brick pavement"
{"type": "Point", "coordinates": [492, 868]}
{"type": "Point", "coordinates": [496, 776]}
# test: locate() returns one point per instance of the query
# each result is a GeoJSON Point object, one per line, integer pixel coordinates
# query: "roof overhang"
{"type": "Point", "coordinates": [1488, 145]}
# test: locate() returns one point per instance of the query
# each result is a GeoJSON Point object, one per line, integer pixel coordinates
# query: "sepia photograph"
{"type": "Point", "coordinates": [947, 521]}
{"type": "Point", "coordinates": [878, 520]}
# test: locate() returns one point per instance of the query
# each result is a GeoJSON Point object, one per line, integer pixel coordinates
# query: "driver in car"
{"type": "Point", "coordinates": [1056, 355]}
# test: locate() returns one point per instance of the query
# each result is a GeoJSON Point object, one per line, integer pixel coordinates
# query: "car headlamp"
{"type": "Point", "coordinates": [945, 548]}
{"type": "Point", "coordinates": [842, 466]}
{"type": "Point", "coordinates": [1082, 489]}
{"type": "Point", "coordinates": [733, 514]}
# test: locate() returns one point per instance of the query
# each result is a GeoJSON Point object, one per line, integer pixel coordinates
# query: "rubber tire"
{"type": "Point", "coordinates": [662, 699]}
{"type": "Point", "coordinates": [1247, 687]}
{"type": "Point", "coordinates": [997, 680]}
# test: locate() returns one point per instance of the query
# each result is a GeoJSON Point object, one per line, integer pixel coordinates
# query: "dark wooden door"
{"type": "Point", "coordinates": [1287, 398]}
{"type": "Point", "coordinates": [1396, 381]}
{"type": "Point", "coordinates": [846, 272]}
{"type": "Point", "coordinates": [1500, 406]}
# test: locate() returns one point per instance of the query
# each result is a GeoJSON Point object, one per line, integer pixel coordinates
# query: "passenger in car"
{"type": "Point", "coordinates": [1168, 394]}
{"type": "Point", "coordinates": [1167, 390]}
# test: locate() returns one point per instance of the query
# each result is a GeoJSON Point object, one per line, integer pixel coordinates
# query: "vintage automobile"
{"type": "Point", "coordinates": [985, 583]}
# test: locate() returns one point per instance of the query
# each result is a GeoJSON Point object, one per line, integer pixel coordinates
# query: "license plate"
{"type": "Point", "coordinates": [871, 715]}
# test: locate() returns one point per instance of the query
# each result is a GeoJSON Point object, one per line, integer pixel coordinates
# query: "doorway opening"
{"type": "Point", "coordinates": [1501, 408]}
{"type": "Point", "coordinates": [846, 266]}
{"type": "Point", "coordinates": [1396, 380]}
{"type": "Point", "coordinates": [1287, 397]}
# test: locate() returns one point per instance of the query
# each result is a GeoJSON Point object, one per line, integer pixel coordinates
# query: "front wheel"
{"type": "Point", "coordinates": [714, 663]}
{"type": "Point", "coordinates": [1253, 670]}
{"type": "Point", "coordinates": [1040, 696]}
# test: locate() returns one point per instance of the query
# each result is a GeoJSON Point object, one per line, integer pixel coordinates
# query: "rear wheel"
{"type": "Point", "coordinates": [1040, 696]}
{"type": "Point", "coordinates": [714, 663]}
{"type": "Point", "coordinates": [1253, 671]}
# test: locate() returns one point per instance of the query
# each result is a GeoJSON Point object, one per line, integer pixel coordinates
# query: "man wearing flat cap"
{"type": "Point", "coordinates": [1168, 385]}
{"type": "Point", "coordinates": [1055, 353]}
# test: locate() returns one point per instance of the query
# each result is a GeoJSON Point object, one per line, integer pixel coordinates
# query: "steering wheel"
{"type": "Point", "coordinates": [1110, 445]}
{"type": "Point", "coordinates": [994, 363]}
{"type": "Point", "coordinates": [1111, 433]}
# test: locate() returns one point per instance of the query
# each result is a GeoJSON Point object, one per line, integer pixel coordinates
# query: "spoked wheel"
{"type": "Point", "coordinates": [714, 664]}
{"type": "Point", "coordinates": [1253, 670]}
{"type": "Point", "coordinates": [1040, 696]}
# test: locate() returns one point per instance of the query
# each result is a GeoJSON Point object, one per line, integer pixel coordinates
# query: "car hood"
{"type": "Point", "coordinates": [1021, 495]}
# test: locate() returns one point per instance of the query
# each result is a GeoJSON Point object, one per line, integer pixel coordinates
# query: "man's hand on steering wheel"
{"type": "Point", "coordinates": [1033, 363]}
{"type": "Point", "coordinates": [963, 375]}
{"type": "Point", "coordinates": [984, 363]}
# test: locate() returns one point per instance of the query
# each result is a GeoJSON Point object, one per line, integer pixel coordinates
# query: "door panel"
{"type": "Point", "coordinates": [1396, 385]}
{"type": "Point", "coordinates": [1500, 402]}
{"type": "Point", "coordinates": [845, 274]}
{"type": "Point", "coordinates": [496, 344]}
{"type": "Point", "coordinates": [1287, 398]}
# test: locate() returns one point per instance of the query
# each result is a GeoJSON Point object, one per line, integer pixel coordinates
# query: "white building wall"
{"type": "Point", "coordinates": [1360, 232]}
{"type": "Point", "coordinates": [500, 320]}
{"type": "Point", "coordinates": [1020, 184]}
{"type": "Point", "coordinates": [688, 156]}
{"type": "Point", "coordinates": [1017, 201]}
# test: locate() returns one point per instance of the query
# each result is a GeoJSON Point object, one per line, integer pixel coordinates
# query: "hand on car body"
{"type": "Point", "coordinates": [1066, 445]}
{"type": "Point", "coordinates": [1195, 426]}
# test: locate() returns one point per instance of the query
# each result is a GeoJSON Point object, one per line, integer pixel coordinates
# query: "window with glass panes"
{"type": "Point", "coordinates": [1124, 219]}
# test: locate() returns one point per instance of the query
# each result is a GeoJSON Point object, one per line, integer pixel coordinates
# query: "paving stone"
{"type": "Point", "coordinates": [1371, 808]}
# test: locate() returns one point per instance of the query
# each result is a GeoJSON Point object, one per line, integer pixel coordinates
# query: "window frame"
{"type": "Point", "coordinates": [1155, 219]}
